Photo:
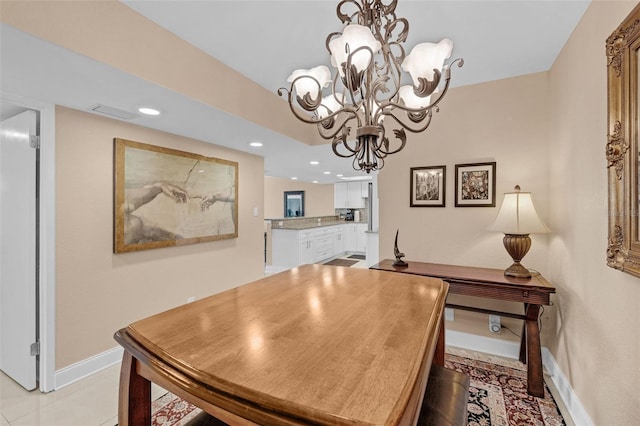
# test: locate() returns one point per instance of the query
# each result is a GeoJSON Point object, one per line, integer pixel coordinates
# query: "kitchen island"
{"type": "Point", "coordinates": [300, 241]}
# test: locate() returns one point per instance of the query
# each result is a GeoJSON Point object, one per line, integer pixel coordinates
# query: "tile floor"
{"type": "Point", "coordinates": [92, 401]}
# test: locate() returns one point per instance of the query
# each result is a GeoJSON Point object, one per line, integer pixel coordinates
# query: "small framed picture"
{"type": "Point", "coordinates": [428, 186]}
{"type": "Point", "coordinates": [476, 185]}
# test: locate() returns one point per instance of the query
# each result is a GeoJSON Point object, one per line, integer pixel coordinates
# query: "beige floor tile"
{"type": "Point", "coordinates": [15, 402]}
{"type": "Point", "coordinates": [112, 372]}
{"type": "Point", "coordinates": [111, 422]}
{"type": "Point", "coordinates": [91, 406]}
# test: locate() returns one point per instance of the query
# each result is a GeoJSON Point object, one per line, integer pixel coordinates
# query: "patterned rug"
{"type": "Point", "coordinates": [497, 397]}
{"type": "Point", "coordinates": [498, 394]}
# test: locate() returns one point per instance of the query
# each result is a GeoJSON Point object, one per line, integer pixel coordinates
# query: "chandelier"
{"type": "Point", "coordinates": [366, 90]}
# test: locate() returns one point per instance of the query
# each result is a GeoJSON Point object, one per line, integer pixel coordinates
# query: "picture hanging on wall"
{"type": "Point", "coordinates": [164, 197]}
{"type": "Point", "coordinates": [476, 185]}
{"type": "Point", "coordinates": [428, 186]}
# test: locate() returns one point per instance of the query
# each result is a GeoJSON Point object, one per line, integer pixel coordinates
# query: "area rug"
{"type": "Point", "coordinates": [358, 256]}
{"type": "Point", "coordinates": [498, 394]}
{"type": "Point", "coordinates": [497, 397]}
{"type": "Point", "coordinates": [341, 262]}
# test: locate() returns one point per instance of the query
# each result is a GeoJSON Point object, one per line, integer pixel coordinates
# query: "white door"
{"type": "Point", "coordinates": [18, 248]}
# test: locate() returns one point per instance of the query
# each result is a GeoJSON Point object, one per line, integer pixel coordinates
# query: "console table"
{"type": "Point", "coordinates": [493, 284]}
{"type": "Point", "coordinates": [316, 344]}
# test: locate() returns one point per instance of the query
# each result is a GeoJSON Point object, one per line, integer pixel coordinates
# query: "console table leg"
{"type": "Point", "coordinates": [523, 338]}
{"type": "Point", "coordinates": [134, 399]}
{"type": "Point", "coordinates": [535, 384]}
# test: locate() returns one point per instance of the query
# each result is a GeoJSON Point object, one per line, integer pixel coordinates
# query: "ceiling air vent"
{"type": "Point", "coordinates": [113, 112]}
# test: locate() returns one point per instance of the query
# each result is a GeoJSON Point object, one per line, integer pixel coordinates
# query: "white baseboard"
{"type": "Point", "coordinates": [87, 367]}
{"type": "Point", "coordinates": [570, 399]}
{"type": "Point", "coordinates": [509, 349]}
{"type": "Point", "coordinates": [487, 345]}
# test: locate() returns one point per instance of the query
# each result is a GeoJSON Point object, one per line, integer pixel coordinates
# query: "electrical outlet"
{"type": "Point", "coordinates": [494, 324]}
{"type": "Point", "coordinates": [448, 314]}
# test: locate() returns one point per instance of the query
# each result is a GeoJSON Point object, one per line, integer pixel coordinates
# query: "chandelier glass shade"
{"type": "Point", "coordinates": [366, 92]}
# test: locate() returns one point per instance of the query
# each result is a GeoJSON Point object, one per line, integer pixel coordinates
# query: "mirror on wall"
{"type": "Point", "coordinates": [622, 46]}
{"type": "Point", "coordinates": [293, 203]}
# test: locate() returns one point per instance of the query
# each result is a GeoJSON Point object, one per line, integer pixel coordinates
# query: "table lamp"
{"type": "Point", "coordinates": [518, 218]}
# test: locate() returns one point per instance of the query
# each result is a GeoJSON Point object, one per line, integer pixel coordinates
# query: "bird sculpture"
{"type": "Point", "coordinates": [399, 255]}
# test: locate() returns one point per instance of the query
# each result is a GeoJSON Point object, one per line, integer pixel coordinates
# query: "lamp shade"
{"type": "Point", "coordinates": [355, 36]}
{"type": "Point", "coordinates": [426, 57]}
{"type": "Point", "coordinates": [330, 104]}
{"type": "Point", "coordinates": [311, 81]}
{"type": "Point", "coordinates": [412, 100]}
{"type": "Point", "coordinates": [518, 216]}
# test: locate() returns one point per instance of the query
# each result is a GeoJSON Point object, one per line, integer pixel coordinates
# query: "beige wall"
{"type": "Point", "coordinates": [98, 292]}
{"type": "Point", "coordinates": [597, 338]}
{"type": "Point", "coordinates": [318, 198]}
{"type": "Point", "coordinates": [503, 121]}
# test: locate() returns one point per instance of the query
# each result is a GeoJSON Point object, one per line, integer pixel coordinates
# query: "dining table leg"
{"type": "Point", "coordinates": [134, 399]}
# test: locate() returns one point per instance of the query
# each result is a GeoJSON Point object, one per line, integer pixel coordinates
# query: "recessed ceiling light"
{"type": "Point", "coordinates": [256, 144]}
{"type": "Point", "coordinates": [294, 178]}
{"type": "Point", "coordinates": [327, 173]}
{"type": "Point", "coordinates": [340, 175]}
{"type": "Point", "coordinates": [314, 163]}
{"type": "Point", "coordinates": [149, 111]}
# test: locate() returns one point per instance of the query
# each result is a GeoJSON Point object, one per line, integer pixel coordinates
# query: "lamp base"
{"type": "Point", "coordinates": [517, 246]}
{"type": "Point", "coordinates": [517, 270]}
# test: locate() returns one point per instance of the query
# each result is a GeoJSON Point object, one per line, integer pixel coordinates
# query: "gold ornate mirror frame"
{"type": "Point", "coordinates": [623, 45]}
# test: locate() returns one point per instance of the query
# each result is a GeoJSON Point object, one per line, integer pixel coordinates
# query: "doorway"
{"type": "Point", "coordinates": [27, 218]}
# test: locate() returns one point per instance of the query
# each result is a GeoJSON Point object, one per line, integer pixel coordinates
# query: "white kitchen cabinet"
{"type": "Point", "coordinates": [340, 196]}
{"type": "Point", "coordinates": [355, 237]}
{"type": "Point", "coordinates": [291, 247]}
{"type": "Point", "coordinates": [350, 195]}
{"type": "Point", "coordinates": [361, 237]}
{"type": "Point", "coordinates": [306, 249]}
{"type": "Point", "coordinates": [338, 240]}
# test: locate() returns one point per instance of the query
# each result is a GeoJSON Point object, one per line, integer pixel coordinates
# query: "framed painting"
{"type": "Point", "coordinates": [427, 187]}
{"type": "Point", "coordinates": [164, 197]}
{"type": "Point", "coordinates": [476, 185]}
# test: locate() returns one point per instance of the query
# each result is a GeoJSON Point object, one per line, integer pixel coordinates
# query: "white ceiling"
{"type": "Point", "coordinates": [265, 40]}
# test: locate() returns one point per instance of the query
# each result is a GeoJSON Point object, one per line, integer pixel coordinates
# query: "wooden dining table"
{"type": "Point", "coordinates": [316, 344]}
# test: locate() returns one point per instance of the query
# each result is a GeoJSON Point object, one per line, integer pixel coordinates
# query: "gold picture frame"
{"type": "Point", "coordinates": [622, 149]}
{"type": "Point", "coordinates": [164, 197]}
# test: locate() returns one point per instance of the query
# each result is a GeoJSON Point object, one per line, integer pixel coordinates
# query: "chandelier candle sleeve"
{"type": "Point", "coordinates": [372, 79]}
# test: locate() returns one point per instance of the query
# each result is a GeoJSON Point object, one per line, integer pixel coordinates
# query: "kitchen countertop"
{"type": "Point", "coordinates": [299, 226]}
